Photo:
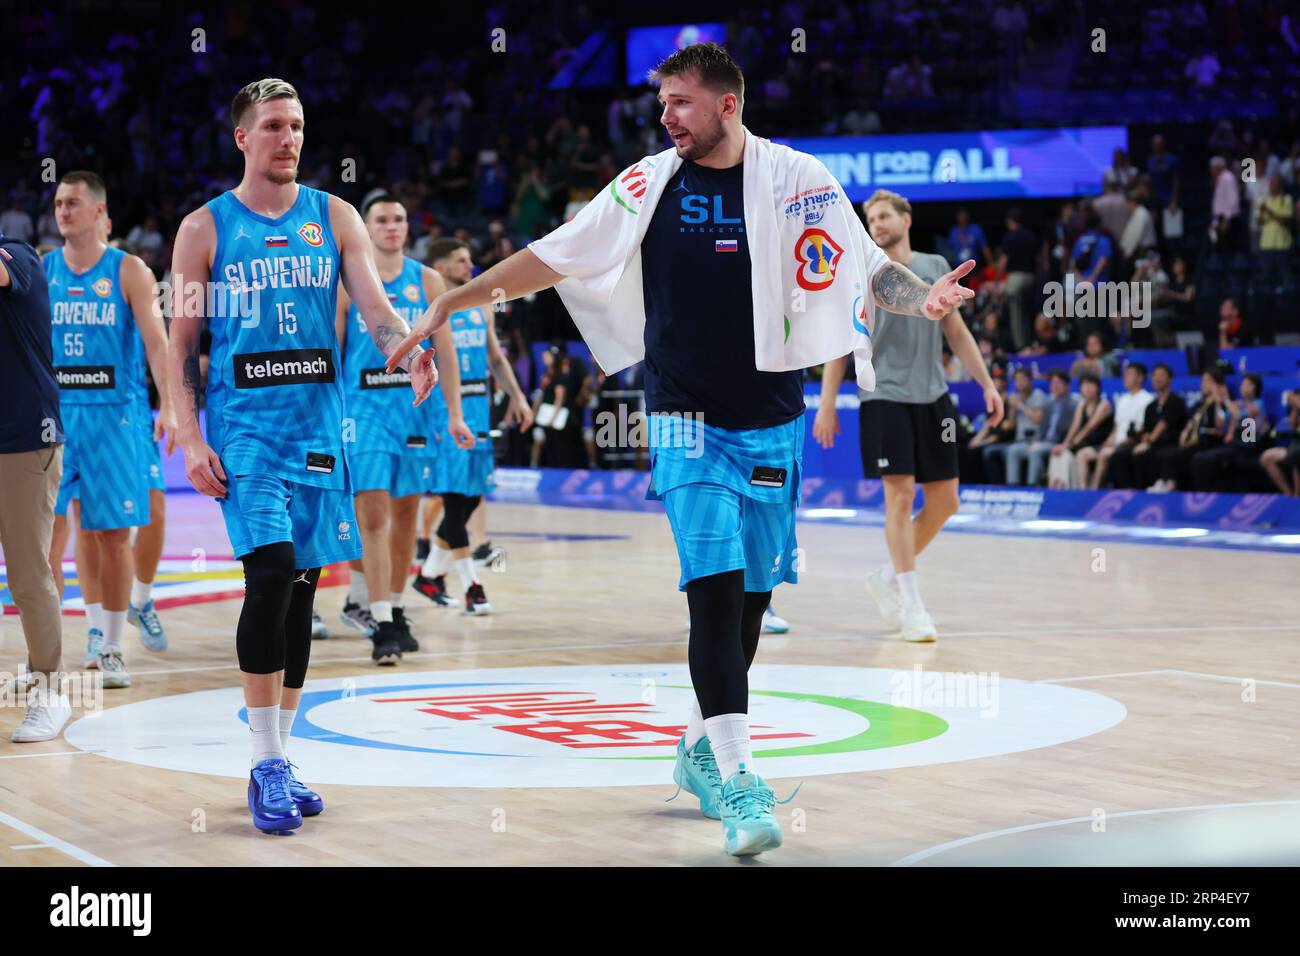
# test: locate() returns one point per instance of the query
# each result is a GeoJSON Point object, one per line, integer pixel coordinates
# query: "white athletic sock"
{"type": "Point", "coordinates": [887, 572]}
{"type": "Point", "coordinates": [465, 568]}
{"type": "Point", "coordinates": [695, 727]}
{"type": "Point", "coordinates": [95, 617]}
{"type": "Point", "coordinates": [114, 623]}
{"type": "Point", "coordinates": [397, 598]}
{"type": "Point", "coordinates": [286, 727]}
{"type": "Point", "coordinates": [381, 611]}
{"type": "Point", "coordinates": [140, 592]}
{"type": "Point", "coordinates": [910, 589]}
{"type": "Point", "coordinates": [264, 723]}
{"type": "Point", "coordinates": [357, 593]}
{"type": "Point", "coordinates": [437, 562]}
{"type": "Point", "coordinates": [729, 738]}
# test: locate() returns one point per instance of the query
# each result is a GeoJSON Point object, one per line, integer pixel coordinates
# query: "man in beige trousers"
{"type": "Point", "coordinates": [31, 461]}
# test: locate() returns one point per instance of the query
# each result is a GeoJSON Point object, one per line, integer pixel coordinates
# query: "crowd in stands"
{"type": "Point", "coordinates": [479, 146]}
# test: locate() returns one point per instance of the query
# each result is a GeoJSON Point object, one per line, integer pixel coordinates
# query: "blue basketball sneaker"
{"type": "Point", "coordinates": [151, 629]}
{"type": "Point", "coordinates": [697, 772]}
{"type": "Point", "coordinates": [269, 798]}
{"type": "Point", "coordinates": [308, 801]}
{"type": "Point", "coordinates": [748, 826]}
{"type": "Point", "coordinates": [94, 644]}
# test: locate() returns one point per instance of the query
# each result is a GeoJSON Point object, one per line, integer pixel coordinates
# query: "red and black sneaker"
{"type": "Point", "coordinates": [435, 589]}
{"type": "Point", "coordinates": [476, 601]}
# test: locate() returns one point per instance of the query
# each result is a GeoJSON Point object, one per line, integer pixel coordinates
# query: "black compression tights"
{"type": "Point", "coordinates": [726, 621]}
{"type": "Point", "coordinates": [274, 632]}
{"type": "Point", "coordinates": [456, 510]}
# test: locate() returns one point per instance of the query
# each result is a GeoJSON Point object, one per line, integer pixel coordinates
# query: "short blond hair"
{"type": "Point", "coordinates": [900, 203]}
{"type": "Point", "coordinates": [259, 92]}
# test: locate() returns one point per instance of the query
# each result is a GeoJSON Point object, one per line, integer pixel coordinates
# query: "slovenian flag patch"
{"type": "Point", "coordinates": [276, 242]}
{"type": "Point", "coordinates": [725, 245]}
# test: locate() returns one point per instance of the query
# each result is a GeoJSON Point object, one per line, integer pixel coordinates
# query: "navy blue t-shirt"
{"type": "Point", "coordinates": [29, 392]}
{"type": "Point", "coordinates": [699, 307]}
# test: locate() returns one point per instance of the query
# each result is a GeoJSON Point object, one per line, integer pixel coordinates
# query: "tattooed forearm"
{"type": "Point", "coordinates": [190, 381]}
{"type": "Point", "coordinates": [897, 289]}
{"type": "Point", "coordinates": [388, 335]}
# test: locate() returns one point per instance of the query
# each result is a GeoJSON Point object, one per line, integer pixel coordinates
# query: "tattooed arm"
{"type": "Point", "coordinates": [361, 280]}
{"type": "Point", "coordinates": [196, 242]}
{"type": "Point", "coordinates": [897, 289]}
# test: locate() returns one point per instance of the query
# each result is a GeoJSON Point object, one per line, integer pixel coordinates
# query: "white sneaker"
{"type": "Point", "coordinates": [115, 675]}
{"type": "Point", "coordinates": [886, 596]}
{"type": "Point", "coordinates": [918, 626]}
{"type": "Point", "coordinates": [774, 623]}
{"type": "Point", "coordinates": [47, 712]}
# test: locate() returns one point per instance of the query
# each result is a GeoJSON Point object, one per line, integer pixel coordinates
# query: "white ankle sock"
{"type": "Point", "coordinates": [729, 738]}
{"type": "Point", "coordinates": [95, 617]}
{"type": "Point", "coordinates": [695, 728]}
{"type": "Point", "coordinates": [910, 589]}
{"type": "Point", "coordinates": [381, 611]}
{"type": "Point", "coordinates": [887, 572]}
{"type": "Point", "coordinates": [286, 727]}
{"type": "Point", "coordinates": [357, 593]}
{"type": "Point", "coordinates": [465, 568]}
{"type": "Point", "coordinates": [114, 622]}
{"type": "Point", "coordinates": [141, 592]}
{"type": "Point", "coordinates": [437, 562]}
{"type": "Point", "coordinates": [264, 723]}
{"type": "Point", "coordinates": [396, 599]}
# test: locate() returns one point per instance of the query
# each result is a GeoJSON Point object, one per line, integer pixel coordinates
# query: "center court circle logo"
{"type": "Point", "coordinates": [585, 726]}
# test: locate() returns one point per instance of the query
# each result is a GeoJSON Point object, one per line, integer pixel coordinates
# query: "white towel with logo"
{"type": "Point", "coordinates": [813, 262]}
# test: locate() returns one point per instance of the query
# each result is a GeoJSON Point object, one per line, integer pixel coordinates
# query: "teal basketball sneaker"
{"type": "Point", "coordinates": [145, 618]}
{"type": "Point", "coordinates": [697, 772]}
{"type": "Point", "coordinates": [748, 826]}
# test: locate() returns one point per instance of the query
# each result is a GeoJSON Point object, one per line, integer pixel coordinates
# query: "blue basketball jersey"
{"type": "Point", "coordinates": [376, 401]}
{"type": "Point", "coordinates": [97, 346]}
{"type": "Point", "coordinates": [469, 332]}
{"type": "Point", "coordinates": [275, 394]}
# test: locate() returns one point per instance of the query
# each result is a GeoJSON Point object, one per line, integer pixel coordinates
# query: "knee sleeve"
{"type": "Point", "coordinates": [268, 585]}
{"type": "Point", "coordinates": [456, 510]}
{"type": "Point", "coordinates": [297, 626]}
{"type": "Point", "coordinates": [716, 652]}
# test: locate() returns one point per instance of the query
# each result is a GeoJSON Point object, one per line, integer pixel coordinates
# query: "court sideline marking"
{"type": "Point", "coordinates": [63, 846]}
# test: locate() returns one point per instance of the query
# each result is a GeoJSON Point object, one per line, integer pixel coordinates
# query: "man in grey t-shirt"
{"type": "Point", "coordinates": [908, 425]}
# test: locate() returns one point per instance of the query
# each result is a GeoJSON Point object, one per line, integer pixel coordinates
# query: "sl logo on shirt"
{"type": "Point", "coordinates": [312, 233]}
{"type": "Point", "coordinates": [819, 256]}
{"type": "Point", "coordinates": [103, 288]}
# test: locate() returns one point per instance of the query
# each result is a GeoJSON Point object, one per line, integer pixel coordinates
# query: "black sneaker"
{"type": "Point", "coordinates": [405, 639]}
{"type": "Point", "coordinates": [388, 648]}
{"type": "Point", "coordinates": [421, 549]}
{"type": "Point", "coordinates": [435, 589]}
{"type": "Point", "coordinates": [476, 601]}
{"type": "Point", "coordinates": [480, 554]}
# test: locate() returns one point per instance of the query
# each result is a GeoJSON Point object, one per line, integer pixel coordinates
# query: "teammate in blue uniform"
{"type": "Point", "coordinates": [466, 475]}
{"type": "Point", "coordinates": [392, 452]}
{"type": "Point", "coordinates": [732, 508]}
{"type": "Point", "coordinates": [262, 264]}
{"type": "Point", "coordinates": [105, 326]}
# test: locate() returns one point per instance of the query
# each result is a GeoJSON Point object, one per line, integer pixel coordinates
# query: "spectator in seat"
{"type": "Point", "coordinates": [1112, 210]}
{"type": "Point", "coordinates": [1276, 234]}
{"type": "Point", "coordinates": [1162, 166]}
{"type": "Point", "coordinates": [1133, 466]}
{"type": "Point", "coordinates": [1205, 429]}
{"type": "Point", "coordinates": [1130, 408]}
{"type": "Point", "coordinates": [1120, 173]}
{"type": "Point", "coordinates": [1140, 229]}
{"type": "Point", "coordinates": [1281, 464]}
{"type": "Point", "coordinates": [1243, 437]}
{"type": "Point", "coordinates": [1231, 324]}
{"type": "Point", "coordinates": [1225, 207]}
{"type": "Point", "coordinates": [1092, 417]}
{"type": "Point", "coordinates": [1027, 404]}
{"type": "Point", "coordinates": [1049, 339]}
{"type": "Point", "coordinates": [1096, 360]}
{"type": "Point", "coordinates": [972, 465]}
{"type": "Point", "coordinates": [968, 241]}
{"type": "Point", "coordinates": [1173, 305]}
{"type": "Point", "coordinates": [1057, 418]}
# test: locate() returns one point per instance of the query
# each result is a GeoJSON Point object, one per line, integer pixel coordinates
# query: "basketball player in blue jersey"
{"type": "Point", "coordinates": [261, 264]}
{"type": "Point", "coordinates": [105, 326]}
{"type": "Point", "coordinates": [392, 451]}
{"type": "Point", "coordinates": [699, 356]}
{"type": "Point", "coordinates": [467, 474]}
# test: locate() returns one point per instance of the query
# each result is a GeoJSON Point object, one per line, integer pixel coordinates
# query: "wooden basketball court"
{"type": "Point", "coordinates": [1147, 712]}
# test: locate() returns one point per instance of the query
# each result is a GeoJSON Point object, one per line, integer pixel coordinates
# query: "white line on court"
{"type": "Point", "coordinates": [1171, 670]}
{"type": "Point", "coordinates": [63, 846]}
{"type": "Point", "coordinates": [30, 846]}
{"type": "Point", "coordinates": [1061, 680]}
{"type": "Point", "coordinates": [51, 753]}
{"type": "Point", "coordinates": [994, 834]}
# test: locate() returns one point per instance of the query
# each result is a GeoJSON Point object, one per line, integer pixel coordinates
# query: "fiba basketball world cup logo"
{"type": "Point", "coordinates": [818, 256]}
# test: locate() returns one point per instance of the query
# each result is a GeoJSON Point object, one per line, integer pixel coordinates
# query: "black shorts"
{"type": "Point", "coordinates": [902, 438]}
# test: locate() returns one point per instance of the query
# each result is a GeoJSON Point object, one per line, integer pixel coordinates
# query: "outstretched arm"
{"type": "Point", "coordinates": [898, 289]}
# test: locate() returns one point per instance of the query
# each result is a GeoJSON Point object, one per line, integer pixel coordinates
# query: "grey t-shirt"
{"type": "Point", "coordinates": [907, 350]}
